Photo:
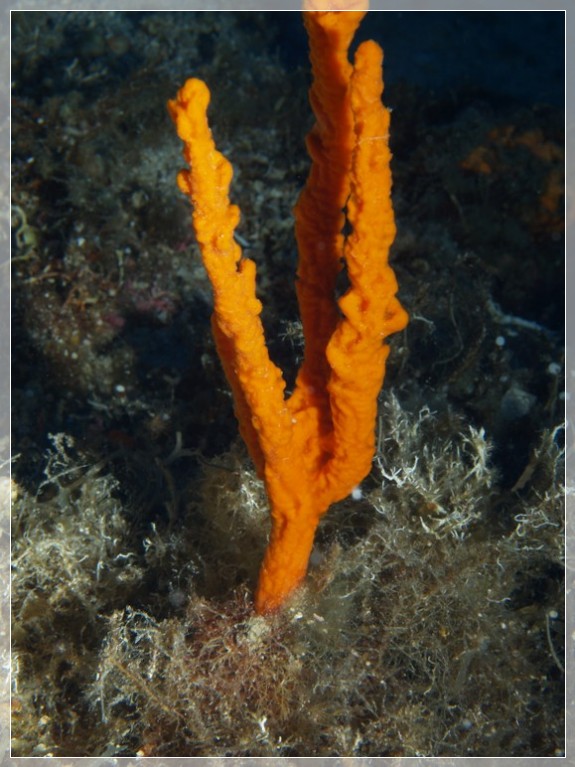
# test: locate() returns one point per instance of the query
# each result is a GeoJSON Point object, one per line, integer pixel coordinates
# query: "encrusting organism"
{"type": "Point", "coordinates": [314, 446]}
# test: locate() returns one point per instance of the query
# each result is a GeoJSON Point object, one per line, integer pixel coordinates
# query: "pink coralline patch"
{"type": "Point", "coordinates": [115, 321]}
{"type": "Point", "coordinates": [151, 301]}
{"type": "Point", "coordinates": [181, 247]}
